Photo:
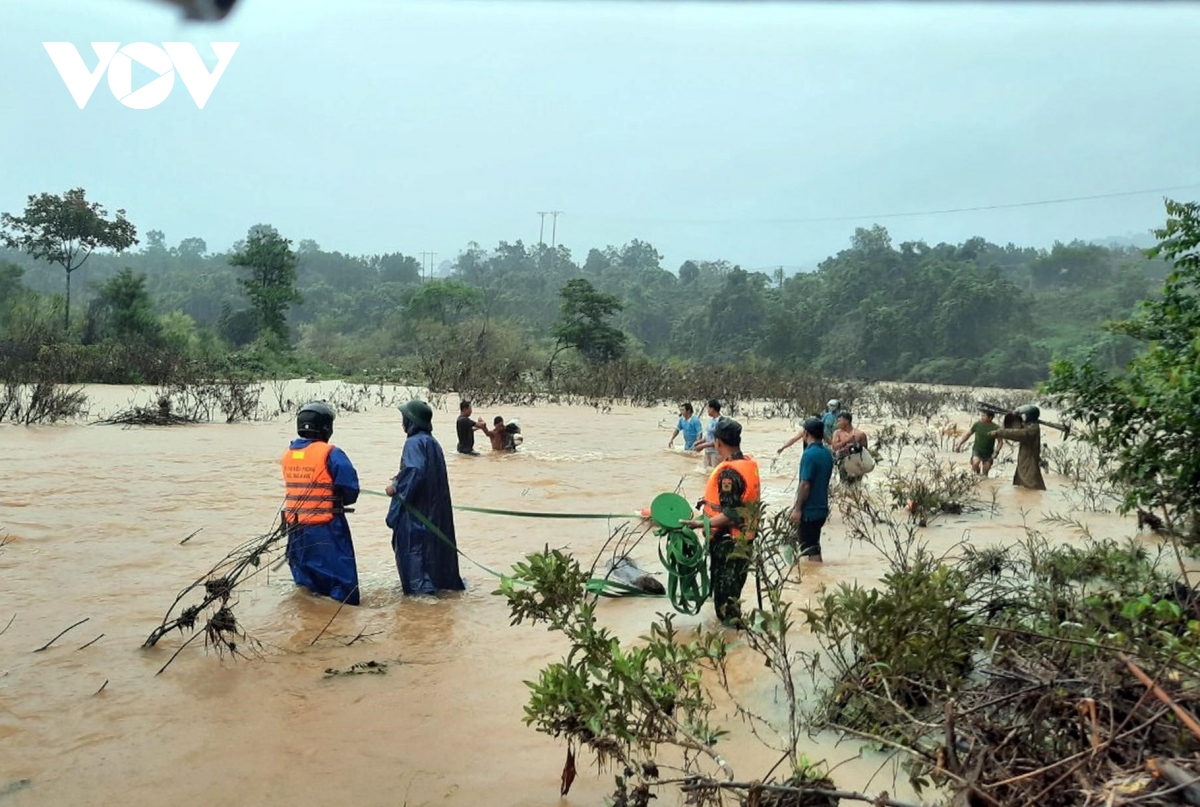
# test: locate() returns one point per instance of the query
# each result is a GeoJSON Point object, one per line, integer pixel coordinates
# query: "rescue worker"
{"type": "Point", "coordinates": [421, 515]}
{"type": "Point", "coordinates": [732, 502]}
{"type": "Point", "coordinates": [1029, 456]}
{"type": "Point", "coordinates": [320, 481]}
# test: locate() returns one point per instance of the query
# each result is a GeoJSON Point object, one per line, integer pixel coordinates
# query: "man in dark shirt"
{"type": "Point", "coordinates": [466, 429]}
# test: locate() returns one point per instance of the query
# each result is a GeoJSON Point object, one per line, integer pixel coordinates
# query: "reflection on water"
{"type": "Point", "coordinates": [96, 515]}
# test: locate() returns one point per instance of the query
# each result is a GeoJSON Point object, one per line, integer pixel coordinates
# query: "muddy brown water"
{"type": "Point", "coordinates": [95, 515]}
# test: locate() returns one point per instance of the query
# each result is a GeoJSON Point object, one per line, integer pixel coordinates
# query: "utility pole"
{"type": "Point", "coordinates": [553, 235]}
{"type": "Point", "coordinates": [431, 256]}
{"type": "Point", "coordinates": [542, 227]}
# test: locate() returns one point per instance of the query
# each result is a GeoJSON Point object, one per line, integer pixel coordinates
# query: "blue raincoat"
{"type": "Point", "coordinates": [426, 562]}
{"type": "Point", "coordinates": [321, 556]}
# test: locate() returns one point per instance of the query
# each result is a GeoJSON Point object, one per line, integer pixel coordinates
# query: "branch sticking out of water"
{"type": "Point", "coordinates": [59, 636]}
{"type": "Point", "coordinates": [92, 642]}
{"type": "Point", "coordinates": [335, 615]}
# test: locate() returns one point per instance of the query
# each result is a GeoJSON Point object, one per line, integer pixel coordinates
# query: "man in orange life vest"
{"type": "Point", "coordinates": [732, 502]}
{"type": "Point", "coordinates": [320, 482]}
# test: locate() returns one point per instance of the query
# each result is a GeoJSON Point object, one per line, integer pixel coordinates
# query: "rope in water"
{"type": "Point", "coordinates": [684, 558]}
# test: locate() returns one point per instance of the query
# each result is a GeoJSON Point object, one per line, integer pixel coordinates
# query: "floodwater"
{"type": "Point", "coordinates": [95, 516]}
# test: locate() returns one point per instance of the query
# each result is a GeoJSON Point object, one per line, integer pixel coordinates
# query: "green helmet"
{"type": "Point", "coordinates": [418, 412]}
{"type": "Point", "coordinates": [1029, 413]}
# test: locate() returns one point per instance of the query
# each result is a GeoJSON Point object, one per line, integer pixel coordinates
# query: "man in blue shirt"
{"type": "Point", "coordinates": [689, 424]}
{"type": "Point", "coordinates": [709, 443]}
{"type": "Point", "coordinates": [812, 498]}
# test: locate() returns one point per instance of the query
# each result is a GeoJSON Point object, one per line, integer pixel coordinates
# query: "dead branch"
{"type": "Point", "coordinates": [59, 636]}
{"type": "Point", "coordinates": [882, 799]}
{"type": "Point", "coordinates": [92, 642]}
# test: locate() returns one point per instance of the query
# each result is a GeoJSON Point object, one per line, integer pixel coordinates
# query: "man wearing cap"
{"type": "Point", "coordinates": [732, 502]}
{"type": "Point", "coordinates": [812, 496]}
{"type": "Point", "coordinates": [421, 514]}
{"type": "Point", "coordinates": [1029, 454]}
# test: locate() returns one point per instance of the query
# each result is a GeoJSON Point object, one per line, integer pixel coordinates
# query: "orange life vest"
{"type": "Point", "coordinates": [747, 468]}
{"type": "Point", "coordinates": [310, 498]}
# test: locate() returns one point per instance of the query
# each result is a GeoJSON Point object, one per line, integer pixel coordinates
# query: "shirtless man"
{"type": "Point", "coordinates": [498, 434]}
{"type": "Point", "coordinates": [845, 437]}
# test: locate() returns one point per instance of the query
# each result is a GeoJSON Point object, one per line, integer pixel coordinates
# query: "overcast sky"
{"type": "Point", "coordinates": [709, 130]}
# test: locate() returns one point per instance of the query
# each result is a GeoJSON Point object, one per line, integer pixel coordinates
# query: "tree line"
{"type": "Point", "coordinates": [970, 313]}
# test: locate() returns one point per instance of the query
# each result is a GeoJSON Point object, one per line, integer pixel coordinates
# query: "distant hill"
{"type": "Point", "coordinates": [1138, 240]}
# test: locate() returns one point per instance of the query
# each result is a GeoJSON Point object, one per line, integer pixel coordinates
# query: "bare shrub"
{"type": "Point", "coordinates": [41, 402]}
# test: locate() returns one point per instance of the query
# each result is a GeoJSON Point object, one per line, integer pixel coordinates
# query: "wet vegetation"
{"type": "Point", "coordinates": [213, 597]}
{"type": "Point", "coordinates": [1029, 672]}
{"type": "Point", "coordinates": [1024, 673]}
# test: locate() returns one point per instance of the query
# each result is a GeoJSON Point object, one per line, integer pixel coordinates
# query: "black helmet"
{"type": "Point", "coordinates": [1029, 413]}
{"type": "Point", "coordinates": [315, 421]}
{"type": "Point", "coordinates": [729, 432]}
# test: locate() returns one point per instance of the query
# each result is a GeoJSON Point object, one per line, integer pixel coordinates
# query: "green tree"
{"type": "Point", "coordinates": [123, 310]}
{"type": "Point", "coordinates": [271, 286]}
{"type": "Point", "coordinates": [584, 326]}
{"type": "Point", "coordinates": [445, 301]}
{"type": "Point", "coordinates": [1146, 421]}
{"type": "Point", "coordinates": [65, 230]}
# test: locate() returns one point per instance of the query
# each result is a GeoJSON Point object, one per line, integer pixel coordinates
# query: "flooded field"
{"type": "Point", "coordinates": [95, 516]}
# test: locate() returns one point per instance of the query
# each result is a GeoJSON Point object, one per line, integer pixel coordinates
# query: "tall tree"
{"type": "Point", "coordinates": [584, 324]}
{"type": "Point", "coordinates": [271, 285]}
{"type": "Point", "coordinates": [65, 230]}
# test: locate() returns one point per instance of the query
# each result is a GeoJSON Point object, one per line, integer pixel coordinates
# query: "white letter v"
{"type": "Point", "coordinates": [191, 69]}
{"type": "Point", "coordinates": [74, 72]}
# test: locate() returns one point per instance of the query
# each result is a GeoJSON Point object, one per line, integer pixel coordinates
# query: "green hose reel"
{"type": "Point", "coordinates": [683, 553]}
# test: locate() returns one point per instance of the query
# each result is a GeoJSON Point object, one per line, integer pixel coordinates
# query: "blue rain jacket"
{"type": "Point", "coordinates": [321, 556]}
{"type": "Point", "coordinates": [425, 561]}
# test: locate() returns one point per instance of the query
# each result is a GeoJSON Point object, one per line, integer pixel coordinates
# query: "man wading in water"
{"type": "Point", "coordinates": [421, 515]}
{"type": "Point", "coordinates": [732, 502]}
{"type": "Point", "coordinates": [1029, 456]}
{"type": "Point", "coordinates": [812, 496]}
{"type": "Point", "coordinates": [986, 444]}
{"type": "Point", "coordinates": [466, 429]}
{"type": "Point", "coordinates": [320, 481]}
{"type": "Point", "coordinates": [708, 444]}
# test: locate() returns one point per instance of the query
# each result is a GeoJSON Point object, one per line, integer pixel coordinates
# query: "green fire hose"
{"type": "Point", "coordinates": [681, 551]}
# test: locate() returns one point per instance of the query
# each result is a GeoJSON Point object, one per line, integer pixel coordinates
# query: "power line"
{"type": "Point", "coordinates": [876, 216]}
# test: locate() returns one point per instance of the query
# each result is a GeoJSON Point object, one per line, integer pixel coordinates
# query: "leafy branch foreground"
{"type": "Point", "coordinates": [1029, 674]}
